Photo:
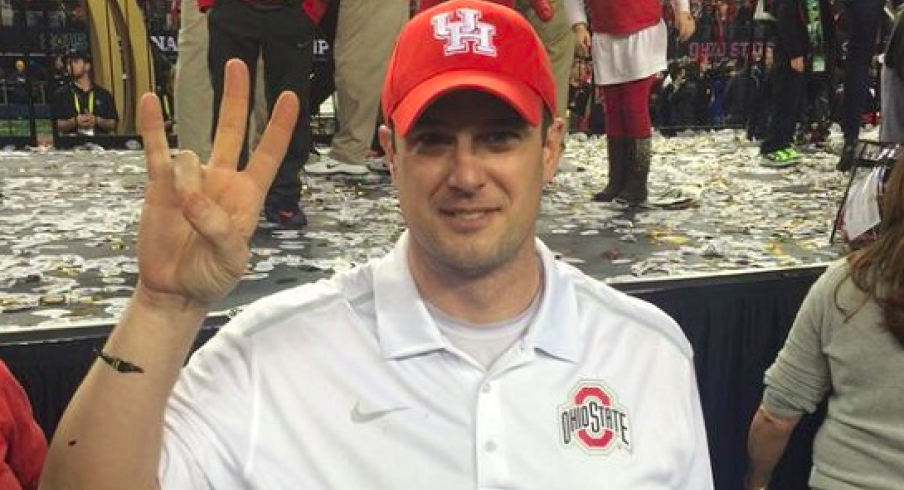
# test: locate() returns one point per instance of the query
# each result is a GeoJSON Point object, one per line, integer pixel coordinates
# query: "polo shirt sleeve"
{"type": "Point", "coordinates": [699, 474]}
{"type": "Point", "coordinates": [208, 420]}
{"type": "Point", "coordinates": [799, 378]}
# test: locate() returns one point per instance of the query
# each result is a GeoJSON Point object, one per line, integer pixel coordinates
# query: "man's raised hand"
{"type": "Point", "coordinates": [198, 218]}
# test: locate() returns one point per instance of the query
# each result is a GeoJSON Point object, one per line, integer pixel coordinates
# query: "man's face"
{"type": "Point", "coordinates": [78, 67]}
{"type": "Point", "coordinates": [469, 177]}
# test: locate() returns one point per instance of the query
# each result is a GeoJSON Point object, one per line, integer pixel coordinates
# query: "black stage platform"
{"type": "Point", "coordinates": [732, 269]}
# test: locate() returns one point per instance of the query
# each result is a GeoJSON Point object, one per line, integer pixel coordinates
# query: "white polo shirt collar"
{"type": "Point", "coordinates": [406, 328]}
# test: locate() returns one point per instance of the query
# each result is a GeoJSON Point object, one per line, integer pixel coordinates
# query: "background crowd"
{"type": "Point", "coordinates": [826, 74]}
{"type": "Point", "coordinates": [721, 77]}
{"type": "Point", "coordinates": [731, 83]}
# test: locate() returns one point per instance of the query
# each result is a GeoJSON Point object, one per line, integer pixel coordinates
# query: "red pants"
{"type": "Point", "coordinates": [628, 108]}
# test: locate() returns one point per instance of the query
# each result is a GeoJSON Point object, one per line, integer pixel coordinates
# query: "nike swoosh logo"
{"type": "Point", "coordinates": [360, 417]}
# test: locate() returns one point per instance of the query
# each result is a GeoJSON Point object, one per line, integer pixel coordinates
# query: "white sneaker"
{"type": "Point", "coordinates": [313, 158]}
{"type": "Point", "coordinates": [329, 166]}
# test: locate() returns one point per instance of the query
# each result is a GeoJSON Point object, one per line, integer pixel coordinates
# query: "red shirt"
{"type": "Point", "coordinates": [23, 446]}
{"type": "Point", "coordinates": [543, 8]}
{"type": "Point", "coordinates": [621, 17]}
{"type": "Point", "coordinates": [314, 8]}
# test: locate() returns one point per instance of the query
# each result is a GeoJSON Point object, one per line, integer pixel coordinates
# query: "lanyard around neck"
{"type": "Point", "coordinates": [78, 104]}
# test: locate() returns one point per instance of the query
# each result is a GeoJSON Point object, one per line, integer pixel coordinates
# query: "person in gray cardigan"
{"type": "Point", "coordinates": [846, 345]}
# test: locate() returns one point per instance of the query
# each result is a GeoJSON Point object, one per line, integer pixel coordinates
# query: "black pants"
{"type": "Point", "coordinates": [787, 91]}
{"type": "Point", "coordinates": [863, 18]}
{"type": "Point", "coordinates": [323, 75]}
{"type": "Point", "coordinates": [282, 33]}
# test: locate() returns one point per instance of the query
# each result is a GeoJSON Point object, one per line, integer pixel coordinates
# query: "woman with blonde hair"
{"type": "Point", "coordinates": [846, 345]}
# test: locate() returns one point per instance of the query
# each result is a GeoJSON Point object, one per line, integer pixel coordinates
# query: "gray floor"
{"type": "Point", "coordinates": [67, 224]}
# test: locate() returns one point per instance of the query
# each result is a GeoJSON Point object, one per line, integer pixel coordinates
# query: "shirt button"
{"type": "Point", "coordinates": [490, 446]}
{"type": "Point", "coordinates": [485, 388]}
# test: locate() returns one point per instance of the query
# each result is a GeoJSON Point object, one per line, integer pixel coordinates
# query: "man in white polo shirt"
{"type": "Point", "coordinates": [468, 357]}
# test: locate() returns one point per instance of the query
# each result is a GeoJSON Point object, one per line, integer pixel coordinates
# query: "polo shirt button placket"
{"type": "Point", "coordinates": [489, 438]}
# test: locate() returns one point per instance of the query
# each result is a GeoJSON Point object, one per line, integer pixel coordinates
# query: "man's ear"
{"type": "Point", "coordinates": [552, 148]}
{"type": "Point", "coordinates": [385, 134]}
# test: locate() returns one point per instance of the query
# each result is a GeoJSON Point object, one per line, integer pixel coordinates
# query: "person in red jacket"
{"type": "Point", "coordinates": [543, 8]}
{"type": "Point", "coordinates": [628, 48]}
{"type": "Point", "coordinates": [23, 446]}
{"type": "Point", "coordinates": [282, 33]}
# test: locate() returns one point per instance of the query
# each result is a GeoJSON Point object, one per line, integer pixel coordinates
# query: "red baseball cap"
{"type": "Point", "coordinates": [467, 44]}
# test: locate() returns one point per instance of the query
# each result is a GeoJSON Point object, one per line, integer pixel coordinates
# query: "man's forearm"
{"type": "Point", "coordinates": [67, 125]}
{"type": "Point", "coordinates": [111, 434]}
{"type": "Point", "coordinates": [766, 442]}
{"type": "Point", "coordinates": [106, 124]}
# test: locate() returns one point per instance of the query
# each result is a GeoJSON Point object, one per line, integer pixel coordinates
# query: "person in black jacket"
{"type": "Point", "coordinates": [863, 18]}
{"type": "Point", "coordinates": [892, 95]}
{"type": "Point", "coordinates": [82, 106]}
{"type": "Point", "coordinates": [281, 33]}
{"type": "Point", "coordinates": [803, 26]}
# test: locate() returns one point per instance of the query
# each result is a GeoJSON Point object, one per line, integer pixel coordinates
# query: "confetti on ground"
{"type": "Point", "coordinates": [68, 222]}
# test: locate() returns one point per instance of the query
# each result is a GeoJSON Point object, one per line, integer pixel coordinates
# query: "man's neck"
{"type": "Point", "coordinates": [83, 83]}
{"type": "Point", "coordinates": [498, 296]}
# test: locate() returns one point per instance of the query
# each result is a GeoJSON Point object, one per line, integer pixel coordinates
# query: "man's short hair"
{"type": "Point", "coordinates": [78, 54]}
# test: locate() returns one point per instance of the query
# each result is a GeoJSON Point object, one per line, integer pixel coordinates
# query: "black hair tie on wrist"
{"type": "Point", "coordinates": [120, 365]}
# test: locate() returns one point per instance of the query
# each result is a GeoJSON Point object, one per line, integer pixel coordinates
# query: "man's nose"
{"type": "Point", "coordinates": [467, 171]}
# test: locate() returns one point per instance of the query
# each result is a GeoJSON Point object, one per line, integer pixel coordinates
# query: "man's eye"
{"type": "Point", "coordinates": [501, 137]}
{"type": "Point", "coordinates": [430, 139]}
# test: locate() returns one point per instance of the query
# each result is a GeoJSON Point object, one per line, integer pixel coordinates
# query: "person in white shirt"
{"type": "Point", "coordinates": [468, 357]}
{"type": "Point", "coordinates": [628, 41]}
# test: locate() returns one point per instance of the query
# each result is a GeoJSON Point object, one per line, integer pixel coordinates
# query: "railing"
{"type": "Point", "coordinates": [24, 108]}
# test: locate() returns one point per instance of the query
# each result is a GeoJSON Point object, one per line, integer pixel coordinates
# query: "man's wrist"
{"type": "Point", "coordinates": [170, 302]}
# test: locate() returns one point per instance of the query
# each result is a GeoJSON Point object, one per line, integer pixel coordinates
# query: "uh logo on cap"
{"type": "Point", "coordinates": [465, 35]}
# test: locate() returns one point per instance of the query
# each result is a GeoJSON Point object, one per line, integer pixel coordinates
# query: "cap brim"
{"type": "Point", "coordinates": [517, 94]}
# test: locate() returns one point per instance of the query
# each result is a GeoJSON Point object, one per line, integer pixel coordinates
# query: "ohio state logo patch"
{"type": "Point", "coordinates": [593, 420]}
